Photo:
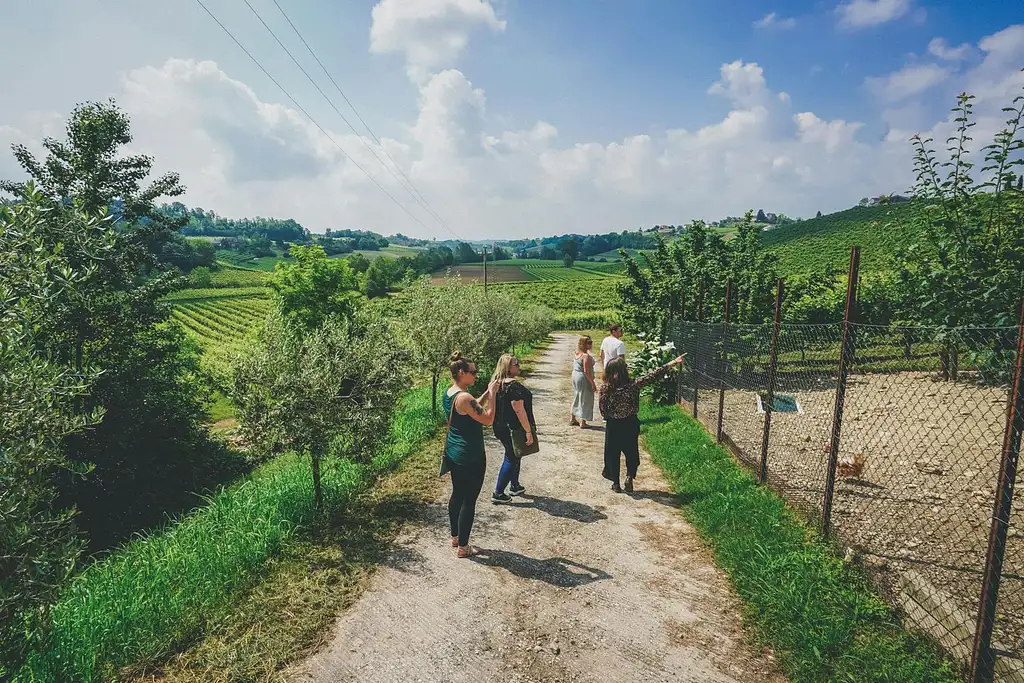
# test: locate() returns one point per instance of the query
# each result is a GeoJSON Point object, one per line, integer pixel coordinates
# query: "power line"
{"type": "Point", "coordinates": [422, 202]}
{"type": "Point", "coordinates": [349, 103]}
{"type": "Point", "coordinates": [308, 116]}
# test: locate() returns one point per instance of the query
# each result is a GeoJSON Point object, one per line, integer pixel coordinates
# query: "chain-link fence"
{"type": "Point", "coordinates": [919, 440]}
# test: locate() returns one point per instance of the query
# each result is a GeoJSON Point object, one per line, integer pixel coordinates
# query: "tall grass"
{"type": "Point", "coordinates": [157, 592]}
{"type": "Point", "coordinates": [820, 616]}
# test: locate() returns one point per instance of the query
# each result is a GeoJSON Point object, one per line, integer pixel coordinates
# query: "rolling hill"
{"type": "Point", "coordinates": [810, 244]}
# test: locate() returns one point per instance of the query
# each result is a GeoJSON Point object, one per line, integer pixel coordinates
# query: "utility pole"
{"type": "Point", "coordinates": [485, 271]}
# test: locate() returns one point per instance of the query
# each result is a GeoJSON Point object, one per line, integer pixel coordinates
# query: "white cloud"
{"type": "Point", "coordinates": [430, 33]}
{"type": "Point", "coordinates": [866, 13]}
{"type": "Point", "coordinates": [743, 83]}
{"type": "Point", "coordinates": [772, 20]}
{"type": "Point", "coordinates": [909, 81]}
{"type": "Point", "coordinates": [940, 49]}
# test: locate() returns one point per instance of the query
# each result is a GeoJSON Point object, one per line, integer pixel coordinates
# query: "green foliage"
{"type": "Point", "coordinates": [314, 288]}
{"type": "Point", "coordinates": [669, 286]}
{"type": "Point", "coordinates": [811, 245]}
{"type": "Point", "coordinates": [200, 277]}
{"type": "Point", "coordinates": [650, 356]}
{"type": "Point", "coordinates": [971, 272]}
{"type": "Point", "coordinates": [440, 319]}
{"type": "Point", "coordinates": [819, 616]}
{"type": "Point", "coordinates": [38, 546]}
{"type": "Point", "coordinates": [313, 389]}
{"type": "Point", "coordinates": [138, 605]}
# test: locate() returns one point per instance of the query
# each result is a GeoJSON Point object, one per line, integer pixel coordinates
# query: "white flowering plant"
{"type": "Point", "coordinates": [652, 354]}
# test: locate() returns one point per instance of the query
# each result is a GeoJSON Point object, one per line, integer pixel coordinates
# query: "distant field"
{"type": "Point", "coordinates": [495, 273]}
{"type": "Point", "coordinates": [549, 274]}
{"type": "Point", "coordinates": [265, 263]}
{"type": "Point", "coordinates": [228, 275]}
{"type": "Point", "coordinates": [391, 251]}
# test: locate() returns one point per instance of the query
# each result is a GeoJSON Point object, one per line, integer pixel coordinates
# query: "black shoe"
{"type": "Point", "coordinates": [616, 488]}
{"type": "Point", "coordinates": [629, 484]}
{"type": "Point", "coordinates": [498, 498]}
{"type": "Point", "coordinates": [517, 490]}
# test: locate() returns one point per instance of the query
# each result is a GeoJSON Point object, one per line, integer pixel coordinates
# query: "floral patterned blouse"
{"type": "Point", "coordinates": [616, 404]}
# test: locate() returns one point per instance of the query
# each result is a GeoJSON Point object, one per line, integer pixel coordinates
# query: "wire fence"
{"type": "Point", "coordinates": [904, 472]}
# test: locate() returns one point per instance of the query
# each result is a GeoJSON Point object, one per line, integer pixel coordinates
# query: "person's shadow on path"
{"type": "Point", "coordinates": [567, 509]}
{"type": "Point", "coordinates": [557, 571]}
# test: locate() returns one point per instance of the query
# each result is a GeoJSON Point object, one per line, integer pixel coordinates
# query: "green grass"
{"type": "Point", "coordinates": [819, 616]}
{"type": "Point", "coordinates": [264, 263]}
{"type": "Point", "coordinates": [228, 275]}
{"type": "Point", "coordinates": [549, 274]}
{"type": "Point", "coordinates": [391, 251]}
{"type": "Point", "coordinates": [162, 592]}
{"type": "Point", "coordinates": [808, 245]}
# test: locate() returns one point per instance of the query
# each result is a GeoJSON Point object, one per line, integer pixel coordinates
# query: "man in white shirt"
{"type": "Point", "coordinates": [612, 347]}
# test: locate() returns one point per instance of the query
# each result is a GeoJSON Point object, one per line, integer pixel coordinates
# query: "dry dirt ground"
{"type": "Point", "coordinates": [921, 510]}
{"type": "Point", "coordinates": [576, 583]}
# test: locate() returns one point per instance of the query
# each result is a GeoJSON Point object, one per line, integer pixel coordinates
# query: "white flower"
{"type": "Point", "coordinates": [640, 335]}
{"type": "Point", "coordinates": [667, 346]}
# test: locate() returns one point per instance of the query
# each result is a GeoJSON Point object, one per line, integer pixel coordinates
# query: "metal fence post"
{"type": "Point", "coordinates": [982, 660]}
{"type": "Point", "coordinates": [773, 365]}
{"type": "Point", "coordinates": [696, 346]}
{"type": "Point", "coordinates": [722, 362]}
{"type": "Point", "coordinates": [845, 358]}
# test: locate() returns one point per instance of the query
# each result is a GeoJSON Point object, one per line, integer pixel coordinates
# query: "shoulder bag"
{"type": "Point", "coordinates": [446, 464]}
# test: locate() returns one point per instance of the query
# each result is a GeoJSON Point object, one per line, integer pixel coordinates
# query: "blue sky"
{"type": "Point", "coordinates": [520, 117]}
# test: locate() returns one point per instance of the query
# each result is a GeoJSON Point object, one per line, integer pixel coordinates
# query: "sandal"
{"type": "Point", "coordinates": [573, 422]}
{"type": "Point", "coordinates": [455, 541]}
{"type": "Point", "coordinates": [467, 551]}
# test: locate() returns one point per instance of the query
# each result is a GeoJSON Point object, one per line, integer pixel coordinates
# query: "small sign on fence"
{"type": "Point", "coordinates": [782, 403]}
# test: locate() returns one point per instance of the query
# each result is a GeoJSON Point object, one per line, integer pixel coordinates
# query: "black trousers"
{"type": "Point", "coordinates": [621, 436]}
{"type": "Point", "coordinates": [467, 480]}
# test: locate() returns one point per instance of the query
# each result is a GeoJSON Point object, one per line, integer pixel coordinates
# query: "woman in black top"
{"type": "Point", "coordinates": [514, 411]}
{"type": "Point", "coordinates": [619, 404]}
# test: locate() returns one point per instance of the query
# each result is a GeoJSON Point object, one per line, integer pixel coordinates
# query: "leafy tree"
{"type": "Point", "coordinates": [761, 218]}
{"type": "Point", "coordinates": [358, 263]}
{"type": "Point", "coordinates": [966, 268]}
{"type": "Point", "coordinates": [567, 260]}
{"type": "Point", "coordinates": [570, 248]}
{"type": "Point", "coordinates": [379, 277]}
{"type": "Point", "coordinates": [38, 543]}
{"type": "Point", "coordinates": [466, 254]}
{"type": "Point", "coordinates": [151, 447]}
{"type": "Point", "coordinates": [332, 388]}
{"type": "Point", "coordinates": [314, 288]}
{"type": "Point", "coordinates": [818, 215]}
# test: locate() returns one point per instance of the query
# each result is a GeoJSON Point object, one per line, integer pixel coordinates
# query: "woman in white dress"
{"type": "Point", "coordinates": [583, 386]}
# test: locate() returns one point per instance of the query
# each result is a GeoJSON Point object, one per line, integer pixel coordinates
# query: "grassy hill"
{"type": "Point", "coordinates": [810, 244]}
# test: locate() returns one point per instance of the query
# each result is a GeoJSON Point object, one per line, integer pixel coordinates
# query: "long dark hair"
{"type": "Point", "coordinates": [616, 373]}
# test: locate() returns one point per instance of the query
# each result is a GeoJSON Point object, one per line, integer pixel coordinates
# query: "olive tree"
{"type": "Point", "coordinates": [438, 320]}
{"type": "Point", "coordinates": [331, 388]}
{"type": "Point", "coordinates": [38, 544]}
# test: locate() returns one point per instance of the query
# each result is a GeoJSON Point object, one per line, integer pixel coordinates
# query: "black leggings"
{"type": "Point", "coordinates": [621, 436]}
{"type": "Point", "coordinates": [467, 480]}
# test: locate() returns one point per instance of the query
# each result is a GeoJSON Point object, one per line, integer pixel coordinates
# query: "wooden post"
{"type": "Point", "coordinates": [773, 365]}
{"type": "Point", "coordinates": [696, 346]}
{"type": "Point", "coordinates": [982, 658]}
{"type": "Point", "coordinates": [722, 362]}
{"type": "Point", "coordinates": [846, 352]}
{"type": "Point", "coordinates": [485, 271]}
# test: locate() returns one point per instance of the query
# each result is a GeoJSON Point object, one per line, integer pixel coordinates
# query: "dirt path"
{"type": "Point", "coordinates": [577, 583]}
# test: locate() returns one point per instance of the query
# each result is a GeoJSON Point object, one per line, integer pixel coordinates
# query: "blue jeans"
{"type": "Point", "coordinates": [509, 473]}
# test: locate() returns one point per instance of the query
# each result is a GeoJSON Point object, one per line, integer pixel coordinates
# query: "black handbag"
{"type": "Point", "coordinates": [519, 443]}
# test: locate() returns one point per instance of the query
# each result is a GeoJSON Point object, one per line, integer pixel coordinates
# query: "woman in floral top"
{"type": "Point", "coordinates": [619, 404]}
